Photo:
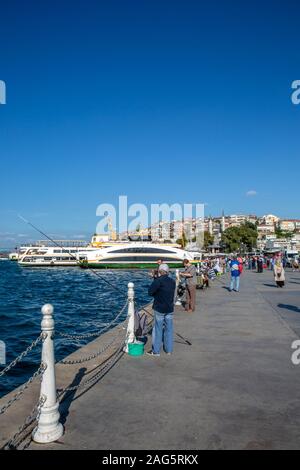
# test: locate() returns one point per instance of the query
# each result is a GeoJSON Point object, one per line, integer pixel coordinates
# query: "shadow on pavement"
{"type": "Point", "coordinates": [293, 308]}
{"type": "Point", "coordinates": [66, 403]}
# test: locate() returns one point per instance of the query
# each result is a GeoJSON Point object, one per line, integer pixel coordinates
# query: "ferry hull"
{"type": "Point", "coordinates": [141, 265]}
{"type": "Point", "coordinates": [47, 265]}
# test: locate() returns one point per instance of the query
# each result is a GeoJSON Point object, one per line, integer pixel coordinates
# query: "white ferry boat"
{"type": "Point", "coordinates": [60, 253]}
{"type": "Point", "coordinates": [132, 255]}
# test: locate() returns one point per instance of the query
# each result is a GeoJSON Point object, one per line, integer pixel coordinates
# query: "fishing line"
{"type": "Point", "coordinates": [72, 256]}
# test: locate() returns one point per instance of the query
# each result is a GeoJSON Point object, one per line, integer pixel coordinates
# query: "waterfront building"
{"type": "Point", "coordinates": [289, 225]}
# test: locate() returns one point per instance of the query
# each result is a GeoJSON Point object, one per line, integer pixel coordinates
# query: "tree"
{"type": "Point", "coordinates": [281, 234]}
{"type": "Point", "coordinates": [239, 238]}
{"type": "Point", "coordinates": [208, 240]}
{"type": "Point", "coordinates": [183, 240]}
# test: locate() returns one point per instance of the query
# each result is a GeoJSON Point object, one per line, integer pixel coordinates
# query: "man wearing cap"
{"type": "Point", "coordinates": [163, 291]}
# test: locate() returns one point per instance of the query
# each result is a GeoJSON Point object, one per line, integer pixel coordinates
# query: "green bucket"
{"type": "Point", "coordinates": [136, 349]}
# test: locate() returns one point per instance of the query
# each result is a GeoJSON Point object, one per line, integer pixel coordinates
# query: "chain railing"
{"type": "Point", "coordinates": [18, 395]}
{"type": "Point", "coordinates": [16, 440]}
{"type": "Point", "coordinates": [89, 358]}
{"type": "Point", "coordinates": [18, 359]}
{"type": "Point", "coordinates": [45, 412]}
{"type": "Point", "coordinates": [89, 382]}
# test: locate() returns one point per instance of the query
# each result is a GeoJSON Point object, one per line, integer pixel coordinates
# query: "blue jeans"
{"type": "Point", "coordinates": [235, 283]}
{"type": "Point", "coordinates": [162, 332]}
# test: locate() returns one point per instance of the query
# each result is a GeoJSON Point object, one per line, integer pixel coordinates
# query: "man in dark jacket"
{"type": "Point", "coordinates": [163, 291]}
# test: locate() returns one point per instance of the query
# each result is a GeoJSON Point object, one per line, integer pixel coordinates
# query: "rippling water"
{"type": "Point", "coordinates": [82, 302]}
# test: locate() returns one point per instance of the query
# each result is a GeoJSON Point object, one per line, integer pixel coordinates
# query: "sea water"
{"type": "Point", "coordinates": [83, 302]}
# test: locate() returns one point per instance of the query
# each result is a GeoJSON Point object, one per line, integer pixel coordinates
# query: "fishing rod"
{"type": "Point", "coordinates": [177, 334]}
{"type": "Point", "coordinates": [72, 256]}
{"type": "Point", "coordinates": [90, 269]}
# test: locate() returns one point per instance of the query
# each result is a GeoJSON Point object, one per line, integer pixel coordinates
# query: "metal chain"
{"type": "Point", "coordinates": [89, 358]}
{"type": "Point", "coordinates": [18, 395]}
{"type": "Point", "coordinates": [42, 337]}
{"type": "Point", "coordinates": [95, 333]}
{"type": "Point", "coordinates": [34, 416]}
{"type": "Point", "coordinates": [96, 377]}
{"type": "Point", "coordinates": [99, 374]}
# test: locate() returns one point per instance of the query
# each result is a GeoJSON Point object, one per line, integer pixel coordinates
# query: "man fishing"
{"type": "Point", "coordinates": [163, 291]}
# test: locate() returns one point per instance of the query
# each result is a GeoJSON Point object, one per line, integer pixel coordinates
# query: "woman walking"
{"type": "Point", "coordinates": [295, 265]}
{"type": "Point", "coordinates": [279, 273]}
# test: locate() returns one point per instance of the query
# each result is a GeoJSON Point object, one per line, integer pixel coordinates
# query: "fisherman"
{"type": "Point", "coordinates": [155, 272]}
{"type": "Point", "coordinates": [163, 291]}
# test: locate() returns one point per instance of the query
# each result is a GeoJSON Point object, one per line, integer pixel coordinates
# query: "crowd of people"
{"type": "Point", "coordinates": [166, 290]}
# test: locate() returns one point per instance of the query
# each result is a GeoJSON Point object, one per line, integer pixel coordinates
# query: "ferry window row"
{"type": "Point", "coordinates": [49, 259]}
{"type": "Point", "coordinates": [142, 250]}
{"type": "Point", "coordinates": [65, 251]}
{"type": "Point", "coordinates": [140, 259]}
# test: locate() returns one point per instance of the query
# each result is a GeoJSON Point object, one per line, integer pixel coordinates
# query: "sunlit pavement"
{"type": "Point", "coordinates": [234, 388]}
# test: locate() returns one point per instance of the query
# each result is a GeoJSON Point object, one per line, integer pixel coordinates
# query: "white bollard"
{"type": "Point", "coordinates": [49, 429]}
{"type": "Point", "coordinates": [130, 338]}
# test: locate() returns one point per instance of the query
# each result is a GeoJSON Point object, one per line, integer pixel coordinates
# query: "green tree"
{"type": "Point", "coordinates": [243, 237]}
{"type": "Point", "coordinates": [208, 240]}
{"type": "Point", "coordinates": [183, 240]}
{"type": "Point", "coordinates": [281, 234]}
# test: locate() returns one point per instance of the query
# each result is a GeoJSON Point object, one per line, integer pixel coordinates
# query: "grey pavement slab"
{"type": "Point", "coordinates": [234, 388]}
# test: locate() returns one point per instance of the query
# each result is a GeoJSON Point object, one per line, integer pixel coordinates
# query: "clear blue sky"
{"type": "Point", "coordinates": [164, 101]}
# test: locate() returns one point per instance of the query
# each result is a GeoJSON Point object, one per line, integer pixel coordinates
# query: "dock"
{"type": "Point", "coordinates": [234, 388]}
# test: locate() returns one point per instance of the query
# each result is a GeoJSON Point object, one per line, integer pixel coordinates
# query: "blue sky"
{"type": "Point", "coordinates": [163, 101]}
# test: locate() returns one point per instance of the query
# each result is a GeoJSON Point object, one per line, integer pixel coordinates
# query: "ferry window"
{"type": "Point", "coordinates": [139, 259]}
{"type": "Point", "coordinates": [142, 250]}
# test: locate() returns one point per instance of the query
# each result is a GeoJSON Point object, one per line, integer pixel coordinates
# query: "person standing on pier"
{"type": "Point", "coordinates": [163, 291]}
{"type": "Point", "coordinates": [190, 276]}
{"type": "Point", "coordinates": [236, 270]}
{"type": "Point", "coordinates": [279, 273]}
{"type": "Point", "coordinates": [295, 265]}
{"type": "Point", "coordinates": [155, 272]}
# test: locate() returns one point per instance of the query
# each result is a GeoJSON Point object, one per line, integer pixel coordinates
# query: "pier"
{"type": "Point", "coordinates": [234, 388]}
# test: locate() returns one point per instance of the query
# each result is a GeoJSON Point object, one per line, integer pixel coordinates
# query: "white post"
{"type": "Point", "coordinates": [49, 429]}
{"type": "Point", "coordinates": [130, 328]}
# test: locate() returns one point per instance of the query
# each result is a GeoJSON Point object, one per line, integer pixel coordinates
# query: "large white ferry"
{"type": "Point", "coordinates": [104, 253]}
{"type": "Point", "coordinates": [132, 255]}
